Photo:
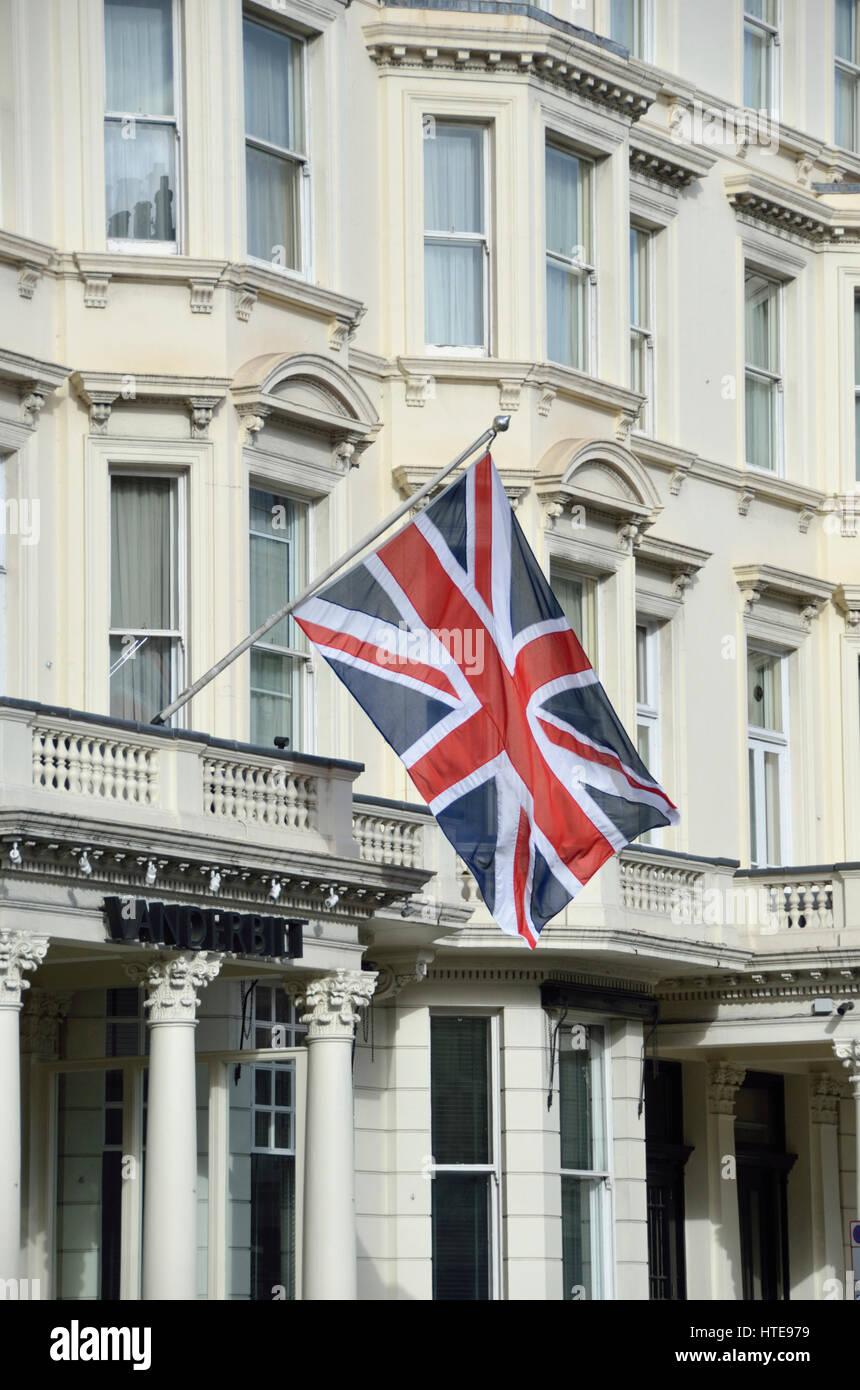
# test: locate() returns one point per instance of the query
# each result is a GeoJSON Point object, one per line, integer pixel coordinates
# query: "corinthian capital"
{"type": "Point", "coordinates": [19, 951]}
{"type": "Point", "coordinates": [44, 1012]}
{"type": "Point", "coordinates": [848, 1053]}
{"type": "Point", "coordinates": [824, 1096]}
{"type": "Point", "coordinates": [724, 1082]}
{"type": "Point", "coordinates": [330, 1004]}
{"type": "Point", "coordinates": [172, 984]}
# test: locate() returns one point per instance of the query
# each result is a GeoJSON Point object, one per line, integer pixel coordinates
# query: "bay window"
{"type": "Point", "coordinates": [767, 755]}
{"type": "Point", "coordinates": [456, 246]}
{"type": "Point", "coordinates": [570, 273]}
{"type": "Point", "coordinates": [147, 600]}
{"type": "Point", "coordinates": [584, 1160]}
{"type": "Point", "coordinates": [141, 129]}
{"type": "Point", "coordinates": [761, 40]}
{"type": "Point", "coordinates": [641, 322]}
{"type": "Point", "coordinates": [465, 1158]}
{"type": "Point", "coordinates": [276, 162]}
{"type": "Point", "coordinates": [279, 661]}
{"type": "Point", "coordinates": [847, 75]}
{"type": "Point", "coordinates": [763, 384]}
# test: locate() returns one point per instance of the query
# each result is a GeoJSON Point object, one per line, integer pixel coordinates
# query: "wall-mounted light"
{"type": "Point", "coordinates": [15, 856]}
{"type": "Point", "coordinates": [215, 881]}
{"type": "Point", "coordinates": [332, 899]}
{"type": "Point", "coordinates": [84, 863]}
{"type": "Point", "coordinates": [151, 873]}
{"type": "Point", "coordinates": [275, 889]}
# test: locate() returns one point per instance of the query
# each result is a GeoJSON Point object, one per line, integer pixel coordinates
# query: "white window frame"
{"type": "Point", "coordinates": [304, 270]}
{"type": "Point", "coordinates": [132, 245]}
{"type": "Point", "coordinates": [602, 1176]}
{"type": "Point", "coordinates": [584, 269]}
{"type": "Point", "coordinates": [178, 635]}
{"type": "Point", "coordinates": [773, 35]}
{"type": "Point", "coordinates": [494, 1168]}
{"type": "Point", "coordinates": [559, 568]}
{"type": "Point", "coordinates": [482, 238]}
{"type": "Point", "coordinates": [302, 658]}
{"type": "Point", "coordinates": [648, 712]}
{"type": "Point", "coordinates": [852, 70]}
{"type": "Point", "coordinates": [775, 378]}
{"type": "Point", "coordinates": [855, 433]}
{"type": "Point", "coordinates": [646, 422]}
{"type": "Point", "coordinates": [646, 25]}
{"type": "Point", "coordinates": [759, 742]}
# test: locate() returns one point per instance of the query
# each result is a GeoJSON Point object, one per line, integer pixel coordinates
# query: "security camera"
{"type": "Point", "coordinates": [845, 1008]}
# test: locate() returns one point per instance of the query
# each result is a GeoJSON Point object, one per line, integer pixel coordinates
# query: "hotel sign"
{"type": "Point", "coordinates": [178, 926]}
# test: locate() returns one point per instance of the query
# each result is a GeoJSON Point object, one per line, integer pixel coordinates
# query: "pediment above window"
{"type": "Point", "coordinates": [310, 394]}
{"type": "Point", "coordinates": [598, 482]}
{"type": "Point", "coordinates": [780, 603]}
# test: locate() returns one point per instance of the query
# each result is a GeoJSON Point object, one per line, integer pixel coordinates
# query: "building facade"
{"type": "Point", "coordinates": [264, 268]}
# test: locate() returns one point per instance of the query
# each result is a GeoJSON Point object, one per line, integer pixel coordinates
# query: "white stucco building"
{"type": "Point", "coordinates": [263, 270]}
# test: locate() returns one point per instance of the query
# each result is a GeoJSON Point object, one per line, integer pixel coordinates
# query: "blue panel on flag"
{"type": "Point", "coordinates": [549, 897]}
{"type": "Point", "coordinates": [632, 818]}
{"type": "Point", "coordinates": [532, 600]}
{"type": "Point", "coordinates": [401, 715]}
{"type": "Point", "coordinates": [471, 824]}
{"type": "Point", "coordinates": [587, 710]}
{"type": "Point", "coordinates": [359, 591]}
{"type": "Point", "coordinates": [448, 514]}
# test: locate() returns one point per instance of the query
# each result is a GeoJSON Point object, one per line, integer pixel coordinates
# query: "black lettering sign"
{"type": "Point", "coordinates": [203, 929]}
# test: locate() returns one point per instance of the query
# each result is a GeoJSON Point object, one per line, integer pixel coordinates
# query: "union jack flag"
{"type": "Point", "coordinates": [452, 641]}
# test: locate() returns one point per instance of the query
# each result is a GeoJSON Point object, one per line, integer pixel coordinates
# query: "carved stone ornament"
{"type": "Point", "coordinates": [824, 1098]}
{"type": "Point", "coordinates": [44, 1010]}
{"type": "Point", "coordinates": [330, 1004]}
{"type": "Point", "coordinates": [172, 984]}
{"type": "Point", "coordinates": [724, 1081]}
{"type": "Point", "coordinates": [19, 951]}
{"type": "Point", "coordinates": [848, 1053]}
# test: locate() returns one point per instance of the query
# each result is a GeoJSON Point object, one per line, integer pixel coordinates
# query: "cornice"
{"type": "Point", "coordinates": [773, 980]}
{"type": "Point", "coordinates": [99, 391]}
{"type": "Point", "coordinates": [33, 259]}
{"type": "Point", "coordinates": [679, 560]}
{"type": "Point", "coordinates": [507, 45]}
{"type": "Point", "coordinates": [33, 379]}
{"type": "Point", "coordinates": [802, 591]}
{"type": "Point", "coordinates": [668, 162]}
{"type": "Point", "coordinates": [549, 379]}
{"type": "Point", "coordinates": [778, 207]}
{"type": "Point", "coordinates": [752, 484]}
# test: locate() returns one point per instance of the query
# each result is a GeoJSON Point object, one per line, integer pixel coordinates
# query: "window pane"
{"type": "Point", "coordinates": [857, 436]}
{"type": "Point", "coordinates": [757, 66]}
{"type": "Point", "coordinates": [566, 316]}
{"type": "Point", "coordinates": [454, 293]}
{"type": "Point", "coordinates": [143, 554]}
{"type": "Point", "coordinates": [575, 1107]}
{"type": "Point", "coordinates": [274, 703]}
{"type": "Point", "coordinates": [139, 57]}
{"type": "Point", "coordinates": [626, 24]}
{"type": "Point", "coordinates": [271, 189]}
{"type": "Point", "coordinates": [846, 109]}
{"type": "Point", "coordinates": [284, 1087]}
{"type": "Point", "coordinates": [642, 692]}
{"type": "Point", "coordinates": [273, 86]}
{"type": "Point", "coordinates": [764, 691]}
{"type": "Point", "coordinates": [460, 1097]}
{"type": "Point", "coordinates": [453, 179]}
{"type": "Point", "coordinates": [639, 286]}
{"type": "Point", "coordinates": [262, 1086]}
{"type": "Point", "coordinates": [638, 363]}
{"type": "Point", "coordinates": [273, 1225]}
{"type": "Point", "coordinates": [143, 684]}
{"type": "Point", "coordinates": [762, 323]}
{"type": "Point", "coordinates": [140, 181]}
{"type": "Point", "coordinates": [845, 30]}
{"type": "Point", "coordinates": [759, 413]}
{"type": "Point", "coordinates": [261, 1129]}
{"type": "Point", "coordinates": [283, 1130]}
{"type": "Point", "coordinates": [263, 1002]}
{"type": "Point", "coordinates": [580, 1237]}
{"type": "Point", "coordinates": [461, 1236]}
{"type": "Point", "coordinates": [643, 746]}
{"type": "Point", "coordinates": [568, 203]}
{"type": "Point", "coordinates": [772, 807]}
{"type": "Point", "coordinates": [754, 859]}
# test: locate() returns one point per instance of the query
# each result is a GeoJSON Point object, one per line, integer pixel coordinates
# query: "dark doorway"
{"type": "Point", "coordinates": [763, 1167]}
{"type": "Point", "coordinates": [666, 1154]}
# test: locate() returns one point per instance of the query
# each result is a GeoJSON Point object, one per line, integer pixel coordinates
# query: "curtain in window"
{"type": "Point", "coordinates": [566, 188]}
{"type": "Point", "coordinates": [454, 203]}
{"type": "Point", "coordinates": [140, 179]}
{"type": "Point", "coordinates": [143, 584]}
{"type": "Point", "coordinates": [273, 109]}
{"type": "Point", "coordinates": [762, 352]}
{"type": "Point", "coordinates": [139, 56]}
{"type": "Point", "coordinates": [567, 233]}
{"type": "Point", "coordinates": [579, 1237]}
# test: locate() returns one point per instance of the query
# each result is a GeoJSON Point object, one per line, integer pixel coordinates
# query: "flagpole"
{"type": "Point", "coordinates": [499, 425]}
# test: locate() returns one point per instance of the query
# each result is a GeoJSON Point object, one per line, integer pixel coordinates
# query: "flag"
{"type": "Point", "coordinates": [452, 641]}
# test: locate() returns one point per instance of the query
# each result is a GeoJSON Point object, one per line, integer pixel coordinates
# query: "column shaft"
{"type": "Point", "coordinates": [10, 1144]}
{"type": "Point", "coordinates": [170, 1196]}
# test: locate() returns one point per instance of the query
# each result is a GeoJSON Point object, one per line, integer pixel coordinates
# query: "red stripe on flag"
{"type": "Point", "coordinates": [521, 876]}
{"type": "Point", "coordinates": [377, 656]}
{"type": "Point", "coordinates": [593, 755]}
{"type": "Point", "coordinates": [484, 530]}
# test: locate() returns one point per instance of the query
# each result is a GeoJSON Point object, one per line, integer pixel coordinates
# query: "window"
{"type": "Point", "coordinates": [456, 248]}
{"type": "Point", "coordinates": [276, 163]}
{"type": "Point", "coordinates": [767, 710]}
{"type": "Point", "coordinates": [465, 1158]}
{"type": "Point", "coordinates": [570, 275]}
{"type": "Point", "coordinates": [275, 1023]}
{"type": "Point", "coordinates": [279, 662]}
{"type": "Point", "coordinates": [641, 322]}
{"type": "Point", "coordinates": [577, 595]}
{"type": "Point", "coordinates": [847, 55]}
{"type": "Point", "coordinates": [273, 1180]}
{"type": "Point", "coordinates": [648, 704]}
{"type": "Point", "coordinates": [141, 123]}
{"type": "Point", "coordinates": [147, 594]}
{"type": "Point", "coordinates": [761, 37]}
{"type": "Point", "coordinates": [584, 1161]}
{"type": "Point", "coordinates": [763, 372]}
{"type": "Point", "coordinates": [857, 387]}
{"type": "Point", "coordinates": [628, 26]}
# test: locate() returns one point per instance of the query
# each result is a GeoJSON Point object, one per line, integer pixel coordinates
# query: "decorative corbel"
{"type": "Point", "coordinates": [253, 418]}
{"type": "Point", "coordinates": [33, 397]}
{"type": "Point", "coordinates": [201, 409]}
{"type": "Point", "coordinates": [510, 393]}
{"type": "Point", "coordinates": [28, 278]}
{"type": "Point", "coordinates": [420, 388]}
{"type": "Point", "coordinates": [244, 301]}
{"type": "Point", "coordinates": [96, 289]}
{"type": "Point", "coordinates": [202, 295]}
{"type": "Point", "coordinates": [545, 399]}
{"type": "Point", "coordinates": [745, 501]}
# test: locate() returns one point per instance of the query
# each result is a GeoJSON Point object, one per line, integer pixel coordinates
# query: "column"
{"type": "Point", "coordinates": [19, 951]}
{"type": "Point", "coordinates": [848, 1053]}
{"type": "Point", "coordinates": [724, 1081]}
{"type": "Point", "coordinates": [170, 1176]}
{"type": "Point", "coordinates": [42, 1017]}
{"type": "Point", "coordinates": [330, 1007]}
{"type": "Point", "coordinates": [825, 1092]}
